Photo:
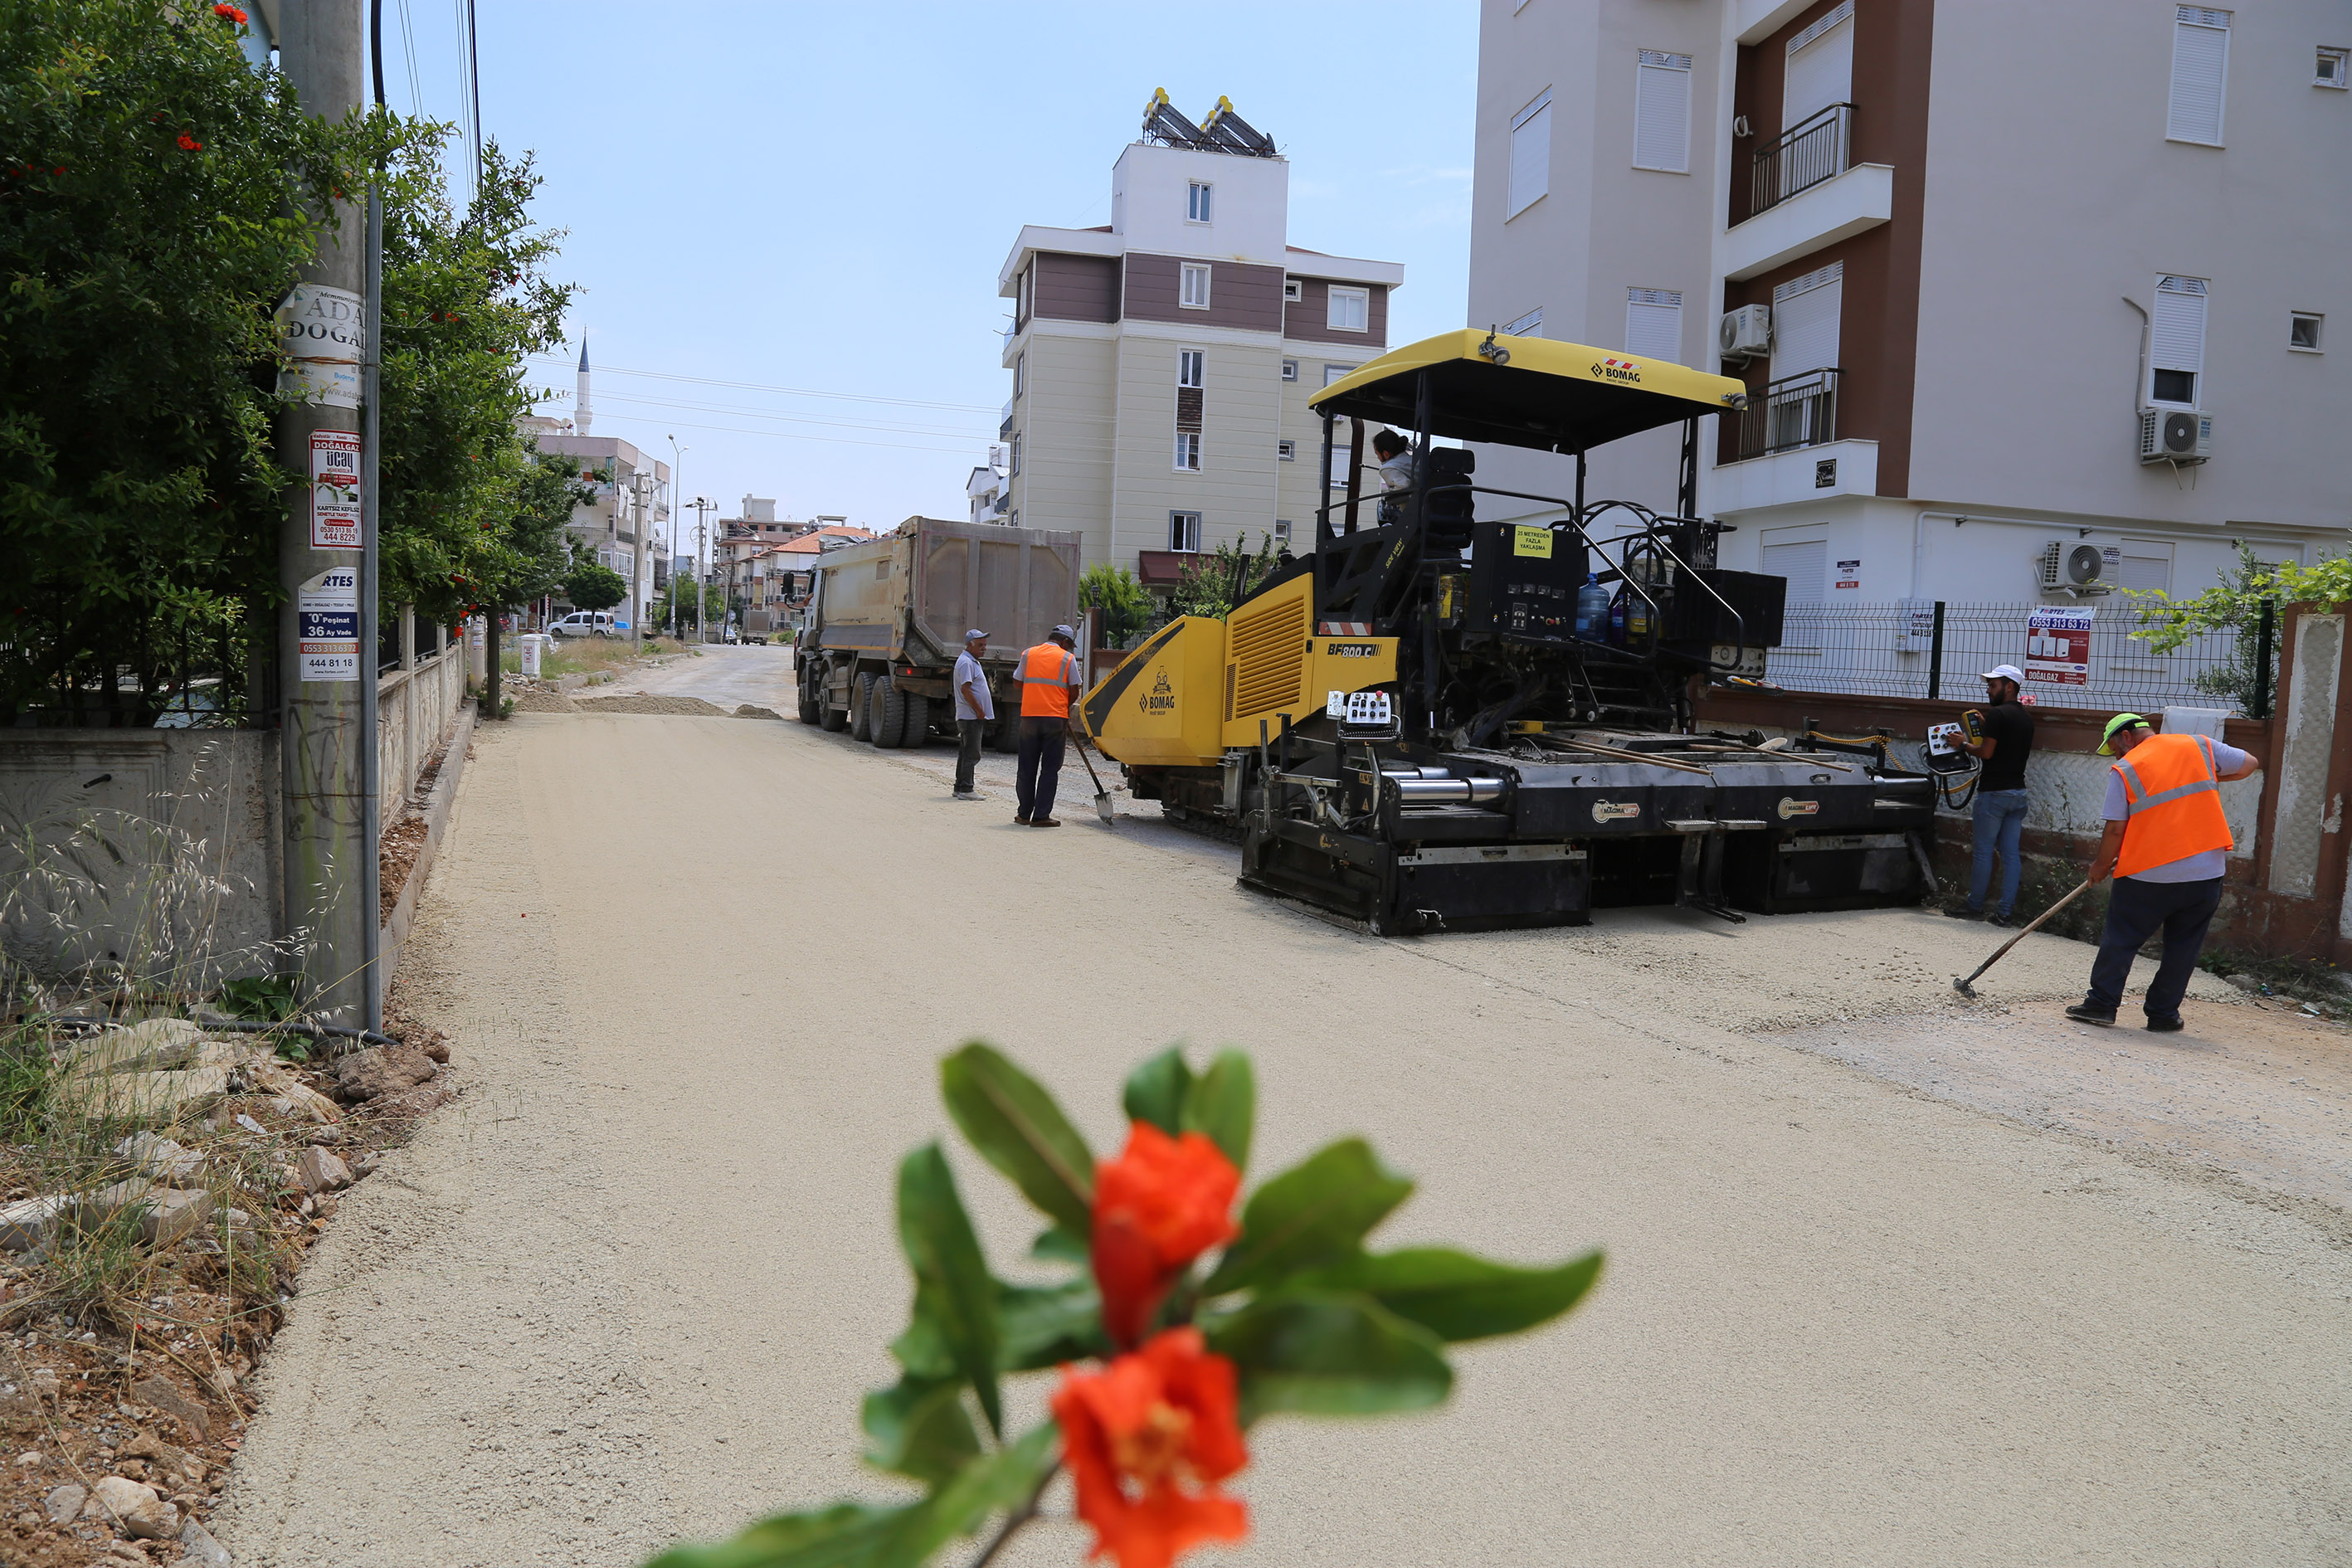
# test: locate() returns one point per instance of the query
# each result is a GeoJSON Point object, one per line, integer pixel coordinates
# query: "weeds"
{"type": "Point", "coordinates": [2308, 980]}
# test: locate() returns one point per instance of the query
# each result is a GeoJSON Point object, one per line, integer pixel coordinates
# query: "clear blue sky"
{"type": "Point", "coordinates": [818, 196]}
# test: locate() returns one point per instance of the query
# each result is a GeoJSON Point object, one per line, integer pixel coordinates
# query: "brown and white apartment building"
{"type": "Point", "coordinates": [1976, 259]}
{"type": "Point", "coordinates": [1161, 364]}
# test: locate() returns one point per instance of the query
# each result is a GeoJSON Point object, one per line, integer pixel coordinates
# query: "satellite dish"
{"type": "Point", "coordinates": [2082, 564]}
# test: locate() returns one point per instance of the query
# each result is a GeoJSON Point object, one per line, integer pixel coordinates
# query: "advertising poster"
{"type": "Point", "coordinates": [328, 611]}
{"type": "Point", "coordinates": [320, 334]}
{"type": "Point", "coordinates": [334, 490]}
{"type": "Point", "coordinates": [2058, 646]}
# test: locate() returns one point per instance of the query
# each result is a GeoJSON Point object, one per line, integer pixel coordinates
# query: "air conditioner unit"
{"type": "Point", "coordinates": [1746, 333]}
{"type": "Point", "coordinates": [2075, 571]}
{"type": "Point", "coordinates": [2175, 435]}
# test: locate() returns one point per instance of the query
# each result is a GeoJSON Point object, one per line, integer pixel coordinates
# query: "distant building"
{"type": "Point", "coordinates": [1161, 364]}
{"type": "Point", "coordinates": [612, 524]}
{"type": "Point", "coordinates": [763, 562]}
{"type": "Point", "coordinates": [985, 490]}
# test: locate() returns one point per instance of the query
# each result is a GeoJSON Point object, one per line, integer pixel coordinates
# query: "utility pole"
{"type": "Point", "coordinates": [641, 498]}
{"type": "Point", "coordinates": [326, 660]}
{"type": "Point", "coordinates": [702, 506]}
{"type": "Point", "coordinates": [676, 467]}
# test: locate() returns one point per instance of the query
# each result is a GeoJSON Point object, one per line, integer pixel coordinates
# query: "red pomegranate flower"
{"type": "Point", "coordinates": [1158, 1206]}
{"type": "Point", "coordinates": [1147, 1439]}
{"type": "Point", "coordinates": [229, 14]}
{"type": "Point", "coordinates": [189, 143]}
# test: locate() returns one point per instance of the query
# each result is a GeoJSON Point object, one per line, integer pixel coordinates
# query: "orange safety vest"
{"type": "Point", "coordinates": [2172, 794]}
{"type": "Point", "coordinates": [1048, 673]}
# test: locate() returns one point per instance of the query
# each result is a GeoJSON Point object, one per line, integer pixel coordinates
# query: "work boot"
{"type": "Point", "coordinates": [970, 794]}
{"type": "Point", "coordinates": [1022, 820]}
{"type": "Point", "coordinates": [2003, 922]}
{"type": "Point", "coordinates": [2090, 1013]}
{"type": "Point", "coordinates": [1042, 822]}
{"type": "Point", "coordinates": [1962, 913]}
{"type": "Point", "coordinates": [2171, 1025]}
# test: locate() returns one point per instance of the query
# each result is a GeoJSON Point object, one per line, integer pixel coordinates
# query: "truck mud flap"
{"type": "Point", "coordinates": [1815, 871]}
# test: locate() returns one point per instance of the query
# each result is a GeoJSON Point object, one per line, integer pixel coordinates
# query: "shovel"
{"type": "Point", "coordinates": [1102, 796]}
{"type": "Point", "coordinates": [1967, 989]}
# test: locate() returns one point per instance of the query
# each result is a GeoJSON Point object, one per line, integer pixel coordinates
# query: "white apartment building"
{"type": "Point", "coordinates": [1161, 364]}
{"type": "Point", "coordinates": [624, 508]}
{"type": "Point", "coordinates": [1979, 261]}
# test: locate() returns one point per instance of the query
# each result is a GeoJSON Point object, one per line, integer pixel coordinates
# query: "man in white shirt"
{"type": "Point", "coordinates": [1395, 454]}
{"type": "Point", "coordinates": [974, 707]}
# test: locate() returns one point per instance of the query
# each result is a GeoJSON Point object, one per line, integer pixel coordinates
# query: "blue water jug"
{"type": "Point", "coordinates": [1592, 609]}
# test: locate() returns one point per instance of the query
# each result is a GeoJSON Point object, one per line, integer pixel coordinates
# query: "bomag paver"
{"type": "Point", "coordinates": [1413, 728]}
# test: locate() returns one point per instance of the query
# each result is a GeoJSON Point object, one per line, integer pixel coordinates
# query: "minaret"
{"type": "Point", "coordinates": [581, 413]}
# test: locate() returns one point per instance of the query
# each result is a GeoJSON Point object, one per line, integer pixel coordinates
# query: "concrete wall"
{"type": "Point", "coordinates": [414, 709]}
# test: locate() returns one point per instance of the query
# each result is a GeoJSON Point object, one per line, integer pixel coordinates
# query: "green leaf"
{"type": "Point", "coordinates": [1008, 1117]}
{"type": "Point", "coordinates": [1045, 1326]}
{"type": "Point", "coordinates": [919, 1429]}
{"type": "Point", "coordinates": [945, 1254]}
{"type": "Point", "coordinates": [1456, 1296]}
{"type": "Point", "coordinates": [1223, 1104]}
{"type": "Point", "coordinates": [923, 1350]}
{"type": "Point", "coordinates": [1156, 1090]}
{"type": "Point", "coordinates": [1062, 1245]}
{"type": "Point", "coordinates": [855, 1535]}
{"type": "Point", "coordinates": [1315, 1213]}
{"type": "Point", "coordinates": [1330, 1355]}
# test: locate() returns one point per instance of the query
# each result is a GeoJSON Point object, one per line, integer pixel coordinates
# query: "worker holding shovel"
{"type": "Point", "coordinates": [2166, 843]}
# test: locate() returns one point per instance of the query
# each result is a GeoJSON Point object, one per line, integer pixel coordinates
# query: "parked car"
{"type": "Point", "coordinates": [584, 623]}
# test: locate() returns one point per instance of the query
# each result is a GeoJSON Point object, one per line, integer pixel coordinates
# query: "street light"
{"type": "Point", "coordinates": [677, 467]}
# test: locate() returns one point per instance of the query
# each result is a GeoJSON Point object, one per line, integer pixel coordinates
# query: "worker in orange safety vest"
{"type": "Point", "coordinates": [1050, 683]}
{"type": "Point", "coordinates": [2167, 845]}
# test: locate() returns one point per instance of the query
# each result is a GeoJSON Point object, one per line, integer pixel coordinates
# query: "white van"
{"type": "Point", "coordinates": [585, 622]}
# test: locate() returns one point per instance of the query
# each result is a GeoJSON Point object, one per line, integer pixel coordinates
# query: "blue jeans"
{"type": "Point", "coordinates": [1999, 822]}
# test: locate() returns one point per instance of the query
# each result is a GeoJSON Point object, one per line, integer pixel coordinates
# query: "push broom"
{"type": "Point", "coordinates": [1967, 987]}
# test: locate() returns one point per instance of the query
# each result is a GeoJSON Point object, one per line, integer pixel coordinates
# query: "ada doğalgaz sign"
{"type": "Point", "coordinates": [328, 609]}
{"type": "Point", "coordinates": [335, 490]}
{"type": "Point", "coordinates": [320, 332]}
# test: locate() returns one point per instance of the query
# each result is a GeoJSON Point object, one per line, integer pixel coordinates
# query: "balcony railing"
{"type": "Point", "coordinates": [1795, 411]}
{"type": "Point", "coordinates": [1004, 418]}
{"type": "Point", "coordinates": [1801, 157]}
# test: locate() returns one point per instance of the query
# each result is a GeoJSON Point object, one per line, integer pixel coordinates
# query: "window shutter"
{"type": "Point", "coordinates": [1805, 322]}
{"type": "Point", "coordinates": [1662, 102]}
{"type": "Point", "coordinates": [2201, 66]}
{"type": "Point", "coordinates": [1530, 154]}
{"type": "Point", "coordinates": [1804, 565]}
{"type": "Point", "coordinates": [2146, 572]}
{"type": "Point", "coordinates": [2176, 333]}
{"type": "Point", "coordinates": [1821, 67]}
{"type": "Point", "coordinates": [1653, 323]}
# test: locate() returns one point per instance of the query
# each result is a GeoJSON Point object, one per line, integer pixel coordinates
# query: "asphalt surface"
{"type": "Point", "coordinates": [631, 1287]}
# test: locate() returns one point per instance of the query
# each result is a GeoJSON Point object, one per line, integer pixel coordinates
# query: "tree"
{"type": "Point", "coordinates": [1125, 603]}
{"type": "Point", "coordinates": [158, 195]}
{"type": "Point", "coordinates": [594, 587]}
{"type": "Point", "coordinates": [714, 603]}
{"type": "Point", "coordinates": [2235, 604]}
{"type": "Point", "coordinates": [1212, 585]}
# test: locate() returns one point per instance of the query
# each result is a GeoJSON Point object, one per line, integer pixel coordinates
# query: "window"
{"type": "Point", "coordinates": [1820, 69]}
{"type": "Point", "coordinates": [1285, 451]}
{"type": "Point", "coordinates": [1528, 326]}
{"type": "Point", "coordinates": [1349, 309]}
{"type": "Point", "coordinates": [1653, 323]}
{"type": "Point", "coordinates": [1332, 372]}
{"type": "Point", "coordinates": [1188, 451]}
{"type": "Point", "coordinates": [1016, 455]}
{"type": "Point", "coordinates": [1662, 104]}
{"type": "Point", "coordinates": [1805, 313]}
{"type": "Point", "coordinates": [2146, 564]}
{"type": "Point", "coordinates": [2335, 68]}
{"type": "Point", "coordinates": [1188, 365]}
{"type": "Point", "coordinates": [1020, 373]}
{"type": "Point", "coordinates": [1803, 563]}
{"type": "Point", "coordinates": [1282, 530]}
{"type": "Point", "coordinates": [1530, 155]}
{"type": "Point", "coordinates": [1196, 202]}
{"type": "Point", "coordinates": [2303, 331]}
{"type": "Point", "coordinates": [1184, 532]}
{"type": "Point", "coordinates": [2201, 66]}
{"type": "Point", "coordinates": [1194, 292]}
{"type": "Point", "coordinates": [1021, 295]}
{"type": "Point", "coordinates": [1290, 370]}
{"type": "Point", "coordinates": [1293, 290]}
{"type": "Point", "coordinates": [2176, 351]}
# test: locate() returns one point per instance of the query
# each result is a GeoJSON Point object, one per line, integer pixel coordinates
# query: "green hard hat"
{"type": "Point", "coordinates": [2120, 721]}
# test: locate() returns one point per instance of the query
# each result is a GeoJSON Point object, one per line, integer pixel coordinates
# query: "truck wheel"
{"type": "Point", "coordinates": [917, 731]}
{"type": "Point", "coordinates": [1005, 735]}
{"type": "Point", "coordinates": [861, 707]}
{"type": "Point", "coordinates": [890, 721]}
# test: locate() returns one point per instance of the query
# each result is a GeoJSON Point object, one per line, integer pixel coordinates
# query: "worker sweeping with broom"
{"type": "Point", "coordinates": [2167, 845]}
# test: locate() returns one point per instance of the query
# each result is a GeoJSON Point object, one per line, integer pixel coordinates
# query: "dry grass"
{"type": "Point", "coordinates": [607, 657]}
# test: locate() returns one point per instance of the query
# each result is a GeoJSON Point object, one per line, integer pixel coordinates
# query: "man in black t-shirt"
{"type": "Point", "coordinates": [2006, 741]}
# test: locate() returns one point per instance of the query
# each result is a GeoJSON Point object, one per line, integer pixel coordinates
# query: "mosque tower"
{"type": "Point", "coordinates": [581, 413]}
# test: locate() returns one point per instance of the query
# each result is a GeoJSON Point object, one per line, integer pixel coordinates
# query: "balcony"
{"type": "Point", "coordinates": [1794, 411]}
{"type": "Point", "coordinates": [1005, 419]}
{"type": "Point", "coordinates": [1810, 152]}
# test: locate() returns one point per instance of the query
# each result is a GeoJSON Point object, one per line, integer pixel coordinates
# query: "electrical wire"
{"type": "Point", "coordinates": [777, 435]}
{"type": "Point", "coordinates": [558, 360]}
{"type": "Point", "coordinates": [740, 412]}
{"type": "Point", "coordinates": [409, 49]}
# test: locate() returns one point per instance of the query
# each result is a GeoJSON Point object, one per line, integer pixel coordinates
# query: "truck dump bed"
{"type": "Point", "coordinates": [912, 596]}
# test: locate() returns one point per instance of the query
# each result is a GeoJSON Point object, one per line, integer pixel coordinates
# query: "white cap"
{"type": "Point", "coordinates": [1068, 632]}
{"type": "Point", "coordinates": [2005, 672]}
{"type": "Point", "coordinates": [974, 635]}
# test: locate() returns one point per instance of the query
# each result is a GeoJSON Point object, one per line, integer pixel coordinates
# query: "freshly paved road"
{"type": "Point", "coordinates": [632, 1285]}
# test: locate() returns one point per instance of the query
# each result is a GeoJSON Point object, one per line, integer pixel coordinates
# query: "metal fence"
{"type": "Point", "coordinates": [1804, 155]}
{"type": "Point", "coordinates": [1938, 650]}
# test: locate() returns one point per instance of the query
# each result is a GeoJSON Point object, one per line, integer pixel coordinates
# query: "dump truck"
{"type": "Point", "coordinates": [1436, 721]}
{"type": "Point", "coordinates": [876, 650]}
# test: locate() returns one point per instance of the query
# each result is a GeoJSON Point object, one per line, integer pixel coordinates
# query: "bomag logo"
{"type": "Point", "coordinates": [1624, 370]}
{"type": "Point", "coordinates": [1161, 698]}
{"type": "Point", "coordinates": [1615, 810]}
{"type": "Point", "coordinates": [1790, 807]}
{"type": "Point", "coordinates": [1350, 650]}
